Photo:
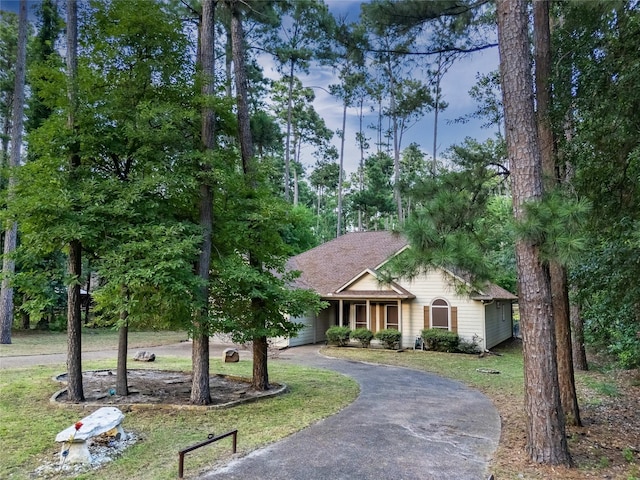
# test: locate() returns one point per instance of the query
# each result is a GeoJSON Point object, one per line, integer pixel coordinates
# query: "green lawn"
{"type": "Point", "coordinates": [35, 342]}
{"type": "Point", "coordinates": [29, 423]}
{"type": "Point", "coordinates": [456, 366]}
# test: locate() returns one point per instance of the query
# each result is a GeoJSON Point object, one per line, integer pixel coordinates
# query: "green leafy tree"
{"type": "Point", "coordinates": [74, 242]}
{"type": "Point", "coordinates": [44, 61]}
{"type": "Point", "coordinates": [8, 52]}
{"type": "Point", "coordinates": [375, 201]}
{"type": "Point", "coordinates": [11, 230]}
{"type": "Point", "coordinates": [304, 37]}
{"type": "Point", "coordinates": [349, 57]}
{"type": "Point", "coordinates": [295, 109]}
{"type": "Point", "coordinates": [200, 390]}
{"type": "Point", "coordinates": [413, 168]}
{"type": "Point", "coordinates": [594, 118]}
{"type": "Point", "coordinates": [324, 179]}
{"type": "Point", "coordinates": [457, 222]}
{"type": "Point", "coordinates": [406, 97]}
{"type": "Point", "coordinates": [259, 302]}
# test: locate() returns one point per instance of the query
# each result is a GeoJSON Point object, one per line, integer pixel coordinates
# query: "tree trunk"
{"type": "Point", "coordinates": [436, 112]}
{"type": "Point", "coordinates": [244, 126]}
{"type": "Point", "coordinates": [11, 232]}
{"type": "Point", "coordinates": [296, 188]}
{"type": "Point", "coordinates": [122, 383]}
{"type": "Point", "coordinates": [559, 286]}
{"type": "Point", "coordinates": [361, 170]}
{"type": "Point", "coordinates": [6, 290]}
{"type": "Point", "coordinates": [566, 377]}
{"type": "Point", "coordinates": [260, 378]}
{"type": "Point", "coordinates": [545, 425]}
{"type": "Point", "coordinates": [26, 319]}
{"type": "Point", "coordinates": [577, 339]}
{"type": "Point", "coordinates": [87, 305]}
{"type": "Point", "coordinates": [200, 388]}
{"type": "Point", "coordinates": [340, 180]}
{"type": "Point", "coordinates": [75, 390]}
{"type": "Point", "coordinates": [396, 148]}
{"type": "Point", "coordinates": [287, 153]}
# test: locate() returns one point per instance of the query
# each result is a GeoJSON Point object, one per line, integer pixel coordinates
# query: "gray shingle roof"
{"type": "Point", "coordinates": [331, 265]}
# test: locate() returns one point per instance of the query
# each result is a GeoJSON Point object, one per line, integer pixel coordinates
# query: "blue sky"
{"type": "Point", "coordinates": [456, 84]}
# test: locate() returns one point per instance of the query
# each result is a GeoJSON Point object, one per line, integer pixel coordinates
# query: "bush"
{"type": "Point", "coordinates": [440, 340]}
{"type": "Point", "coordinates": [339, 335]}
{"type": "Point", "coordinates": [390, 337]}
{"type": "Point", "coordinates": [470, 347]}
{"type": "Point", "coordinates": [363, 335]}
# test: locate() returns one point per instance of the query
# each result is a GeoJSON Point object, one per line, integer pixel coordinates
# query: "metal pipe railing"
{"type": "Point", "coordinates": [210, 439]}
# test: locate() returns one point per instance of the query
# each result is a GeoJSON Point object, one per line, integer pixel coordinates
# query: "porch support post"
{"type": "Point", "coordinates": [368, 314]}
{"type": "Point", "coordinates": [400, 319]}
{"type": "Point", "coordinates": [340, 315]}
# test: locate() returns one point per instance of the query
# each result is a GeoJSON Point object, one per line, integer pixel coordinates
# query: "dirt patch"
{"type": "Point", "coordinates": [607, 446]}
{"type": "Point", "coordinates": [158, 388]}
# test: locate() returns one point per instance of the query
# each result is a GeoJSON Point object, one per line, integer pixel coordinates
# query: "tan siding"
{"type": "Point", "coordinates": [367, 282]}
{"type": "Point", "coordinates": [430, 286]}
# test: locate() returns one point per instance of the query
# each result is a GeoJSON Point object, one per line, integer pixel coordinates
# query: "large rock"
{"type": "Point", "coordinates": [143, 356]}
{"type": "Point", "coordinates": [230, 355]}
{"type": "Point", "coordinates": [74, 440]}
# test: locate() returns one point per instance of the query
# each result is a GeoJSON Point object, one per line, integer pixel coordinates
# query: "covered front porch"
{"type": "Point", "coordinates": [374, 310]}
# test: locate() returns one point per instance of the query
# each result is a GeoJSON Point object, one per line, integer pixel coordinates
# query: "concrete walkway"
{"type": "Point", "coordinates": [404, 425]}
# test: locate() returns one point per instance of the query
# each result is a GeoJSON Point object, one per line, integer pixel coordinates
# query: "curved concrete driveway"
{"type": "Point", "coordinates": [404, 425]}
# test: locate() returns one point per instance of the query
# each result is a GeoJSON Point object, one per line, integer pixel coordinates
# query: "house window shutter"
{"type": "Point", "coordinates": [427, 322]}
{"type": "Point", "coordinates": [454, 319]}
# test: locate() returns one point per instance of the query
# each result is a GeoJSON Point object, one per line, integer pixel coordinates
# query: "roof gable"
{"type": "Point", "coordinates": [370, 281]}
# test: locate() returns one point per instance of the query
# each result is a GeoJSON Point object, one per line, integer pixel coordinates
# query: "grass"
{"type": "Point", "coordinates": [603, 388]}
{"type": "Point", "coordinates": [36, 342]}
{"type": "Point", "coordinates": [26, 413]}
{"type": "Point", "coordinates": [29, 423]}
{"type": "Point", "coordinates": [455, 366]}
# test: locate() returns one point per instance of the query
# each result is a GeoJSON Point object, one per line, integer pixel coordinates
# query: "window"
{"type": "Point", "coordinates": [392, 316]}
{"type": "Point", "coordinates": [440, 314]}
{"type": "Point", "coordinates": [361, 316]}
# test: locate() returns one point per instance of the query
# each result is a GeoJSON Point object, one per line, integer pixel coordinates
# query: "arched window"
{"type": "Point", "coordinates": [440, 314]}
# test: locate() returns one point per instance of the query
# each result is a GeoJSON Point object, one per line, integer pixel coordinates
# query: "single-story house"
{"type": "Point", "coordinates": [345, 273]}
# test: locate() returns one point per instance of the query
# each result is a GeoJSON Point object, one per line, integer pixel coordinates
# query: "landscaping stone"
{"type": "Point", "coordinates": [75, 447]}
{"type": "Point", "coordinates": [230, 355]}
{"type": "Point", "coordinates": [143, 356]}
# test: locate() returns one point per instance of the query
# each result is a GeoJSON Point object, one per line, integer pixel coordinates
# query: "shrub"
{"type": "Point", "coordinates": [470, 347]}
{"type": "Point", "coordinates": [390, 337]}
{"type": "Point", "coordinates": [363, 335]}
{"type": "Point", "coordinates": [440, 340]}
{"type": "Point", "coordinates": [339, 335]}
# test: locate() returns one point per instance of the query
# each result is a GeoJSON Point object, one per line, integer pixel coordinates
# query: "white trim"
{"type": "Point", "coordinates": [406, 247]}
